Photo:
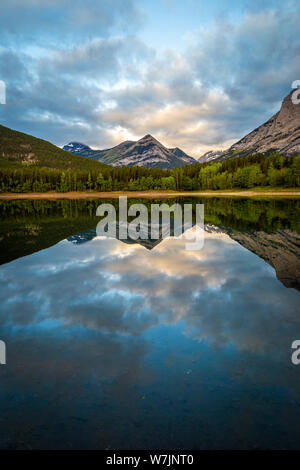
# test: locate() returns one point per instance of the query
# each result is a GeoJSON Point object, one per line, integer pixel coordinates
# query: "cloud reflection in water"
{"type": "Point", "coordinates": [166, 348]}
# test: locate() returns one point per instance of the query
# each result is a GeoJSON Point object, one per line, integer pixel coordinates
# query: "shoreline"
{"type": "Point", "coordinates": [147, 194]}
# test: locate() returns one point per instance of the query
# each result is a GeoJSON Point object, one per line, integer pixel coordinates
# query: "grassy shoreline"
{"type": "Point", "coordinates": [270, 192]}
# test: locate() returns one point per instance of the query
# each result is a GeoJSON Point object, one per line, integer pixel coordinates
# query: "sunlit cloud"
{"type": "Point", "coordinates": [97, 74]}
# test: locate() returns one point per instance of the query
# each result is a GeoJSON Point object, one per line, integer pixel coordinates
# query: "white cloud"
{"type": "Point", "coordinates": [109, 85]}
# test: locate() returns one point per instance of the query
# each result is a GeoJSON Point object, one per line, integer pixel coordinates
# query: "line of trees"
{"type": "Point", "coordinates": [38, 215]}
{"type": "Point", "coordinates": [246, 172]}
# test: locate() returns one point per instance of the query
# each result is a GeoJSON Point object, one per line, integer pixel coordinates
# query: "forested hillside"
{"type": "Point", "coordinates": [244, 173]}
{"type": "Point", "coordinates": [21, 150]}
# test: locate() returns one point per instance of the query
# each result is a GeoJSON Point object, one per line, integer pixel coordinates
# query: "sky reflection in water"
{"type": "Point", "coordinates": [110, 345]}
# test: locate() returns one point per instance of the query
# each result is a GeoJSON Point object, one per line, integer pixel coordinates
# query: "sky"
{"type": "Point", "coordinates": [195, 74]}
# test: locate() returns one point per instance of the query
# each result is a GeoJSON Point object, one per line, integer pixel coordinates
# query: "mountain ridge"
{"type": "Point", "coordinates": [280, 249]}
{"type": "Point", "coordinates": [280, 133]}
{"type": "Point", "coordinates": [18, 148]}
{"type": "Point", "coordinates": [147, 152]}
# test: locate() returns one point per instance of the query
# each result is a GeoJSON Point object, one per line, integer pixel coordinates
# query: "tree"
{"type": "Point", "coordinates": [99, 182]}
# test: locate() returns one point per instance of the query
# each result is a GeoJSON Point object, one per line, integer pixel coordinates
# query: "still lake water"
{"type": "Point", "coordinates": [120, 345]}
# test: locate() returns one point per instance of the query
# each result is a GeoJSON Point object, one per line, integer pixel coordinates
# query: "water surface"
{"type": "Point", "coordinates": [121, 345]}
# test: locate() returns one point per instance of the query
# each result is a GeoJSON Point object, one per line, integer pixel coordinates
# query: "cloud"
{"type": "Point", "coordinates": [111, 58]}
{"type": "Point", "coordinates": [92, 77]}
{"type": "Point", "coordinates": [253, 59]}
{"type": "Point", "coordinates": [63, 93]}
{"type": "Point", "coordinates": [221, 87]}
{"type": "Point", "coordinates": [56, 20]}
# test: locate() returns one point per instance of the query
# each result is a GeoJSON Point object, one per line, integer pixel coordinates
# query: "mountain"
{"type": "Point", "coordinates": [147, 152]}
{"type": "Point", "coordinates": [281, 133]}
{"type": "Point", "coordinates": [89, 235]}
{"type": "Point", "coordinates": [18, 149]}
{"type": "Point", "coordinates": [182, 155]}
{"type": "Point", "coordinates": [281, 249]}
{"type": "Point", "coordinates": [209, 156]}
{"type": "Point", "coordinates": [76, 147]}
{"type": "Point", "coordinates": [34, 230]}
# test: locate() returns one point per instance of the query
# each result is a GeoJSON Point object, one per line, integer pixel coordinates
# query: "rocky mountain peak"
{"type": "Point", "coordinates": [289, 111]}
{"type": "Point", "coordinates": [147, 152]}
{"type": "Point", "coordinates": [76, 147]}
{"type": "Point", "coordinates": [281, 133]}
{"type": "Point", "coordinates": [148, 138]}
{"type": "Point", "coordinates": [210, 156]}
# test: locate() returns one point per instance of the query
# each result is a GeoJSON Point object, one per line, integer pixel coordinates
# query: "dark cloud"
{"type": "Point", "coordinates": [253, 61]}
{"type": "Point", "coordinates": [60, 94]}
{"type": "Point", "coordinates": [56, 20]}
{"type": "Point", "coordinates": [89, 78]}
{"type": "Point", "coordinates": [230, 79]}
{"type": "Point", "coordinates": [112, 58]}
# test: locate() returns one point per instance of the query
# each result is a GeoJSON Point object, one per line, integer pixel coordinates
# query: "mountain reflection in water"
{"type": "Point", "coordinates": [112, 345]}
{"type": "Point", "coordinates": [281, 249]}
